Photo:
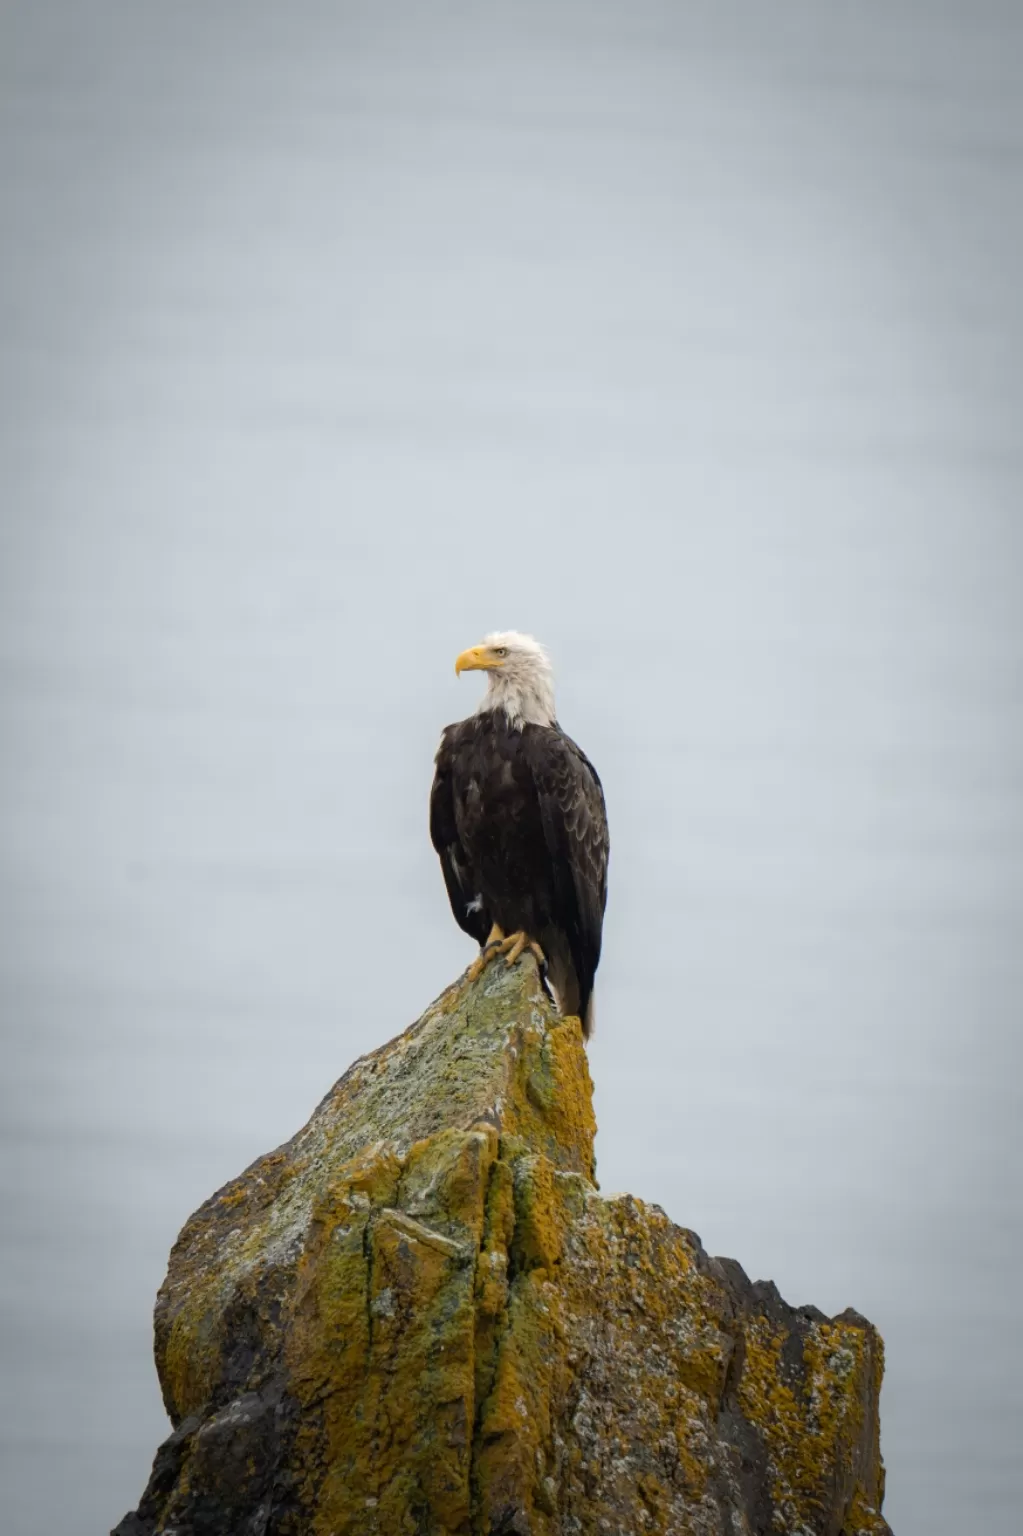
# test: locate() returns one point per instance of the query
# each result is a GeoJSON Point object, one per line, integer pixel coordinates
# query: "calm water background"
{"type": "Point", "coordinates": [686, 336]}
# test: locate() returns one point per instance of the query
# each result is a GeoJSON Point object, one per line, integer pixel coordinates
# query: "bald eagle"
{"type": "Point", "coordinates": [517, 818]}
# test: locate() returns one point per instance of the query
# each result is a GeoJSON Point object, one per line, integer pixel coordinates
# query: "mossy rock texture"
{"type": "Point", "coordinates": [420, 1317]}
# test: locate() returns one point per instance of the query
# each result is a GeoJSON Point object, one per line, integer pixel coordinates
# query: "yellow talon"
{"type": "Point", "coordinates": [495, 939]}
{"type": "Point", "coordinates": [516, 943]}
{"type": "Point", "coordinates": [512, 946]}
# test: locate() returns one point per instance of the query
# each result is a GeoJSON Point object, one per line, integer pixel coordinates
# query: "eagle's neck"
{"type": "Point", "coordinates": [526, 697]}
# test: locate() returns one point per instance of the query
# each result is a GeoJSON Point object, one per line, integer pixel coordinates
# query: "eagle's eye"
{"type": "Point", "coordinates": [501, 650]}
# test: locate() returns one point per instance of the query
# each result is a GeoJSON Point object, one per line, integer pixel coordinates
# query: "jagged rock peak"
{"type": "Point", "coordinates": [419, 1317]}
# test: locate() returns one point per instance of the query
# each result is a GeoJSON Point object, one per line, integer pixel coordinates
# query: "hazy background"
{"type": "Point", "coordinates": [686, 336]}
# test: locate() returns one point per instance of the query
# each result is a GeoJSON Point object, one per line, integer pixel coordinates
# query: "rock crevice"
{"type": "Point", "coordinates": [420, 1317]}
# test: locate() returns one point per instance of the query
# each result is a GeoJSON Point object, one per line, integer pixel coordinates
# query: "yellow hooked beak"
{"type": "Point", "coordinates": [478, 658]}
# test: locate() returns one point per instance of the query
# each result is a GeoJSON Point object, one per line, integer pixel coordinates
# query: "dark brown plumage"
{"type": "Point", "coordinates": [517, 818]}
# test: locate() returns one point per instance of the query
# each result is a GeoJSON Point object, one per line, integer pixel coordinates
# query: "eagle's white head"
{"type": "Point", "coordinates": [519, 677]}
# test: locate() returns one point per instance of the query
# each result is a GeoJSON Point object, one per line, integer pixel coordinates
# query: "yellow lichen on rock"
{"type": "Point", "coordinates": [420, 1316]}
{"type": "Point", "coordinates": [811, 1391]}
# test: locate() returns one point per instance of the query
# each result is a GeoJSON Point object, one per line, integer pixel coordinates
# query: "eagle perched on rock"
{"type": "Point", "coordinates": [518, 820]}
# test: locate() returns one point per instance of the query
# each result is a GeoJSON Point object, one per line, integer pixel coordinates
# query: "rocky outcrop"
{"type": "Point", "coordinates": [420, 1318]}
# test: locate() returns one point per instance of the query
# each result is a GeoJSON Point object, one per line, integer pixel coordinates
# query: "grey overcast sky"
{"type": "Point", "coordinates": [687, 336]}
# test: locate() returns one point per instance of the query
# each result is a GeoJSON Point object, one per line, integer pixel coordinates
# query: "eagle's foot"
{"type": "Point", "coordinates": [512, 946]}
{"type": "Point", "coordinates": [516, 944]}
{"type": "Point", "coordinates": [493, 946]}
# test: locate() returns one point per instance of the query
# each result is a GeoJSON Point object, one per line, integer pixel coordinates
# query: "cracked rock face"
{"type": "Point", "coordinates": [419, 1317]}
